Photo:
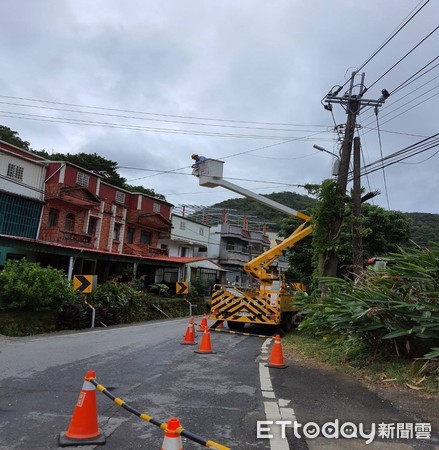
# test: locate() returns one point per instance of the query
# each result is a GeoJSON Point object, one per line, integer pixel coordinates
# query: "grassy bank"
{"type": "Point", "coordinates": [356, 359]}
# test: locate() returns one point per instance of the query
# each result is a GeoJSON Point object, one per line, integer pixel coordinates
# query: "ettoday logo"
{"type": "Point", "coordinates": [346, 430]}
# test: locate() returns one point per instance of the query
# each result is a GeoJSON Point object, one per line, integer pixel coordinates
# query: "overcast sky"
{"type": "Point", "coordinates": [147, 83]}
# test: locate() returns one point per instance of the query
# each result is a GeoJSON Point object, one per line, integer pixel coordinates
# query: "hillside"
{"type": "Point", "coordinates": [424, 226]}
{"type": "Point", "coordinates": [270, 216]}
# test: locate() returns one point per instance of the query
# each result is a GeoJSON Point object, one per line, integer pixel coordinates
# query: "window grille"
{"type": "Point", "coordinates": [156, 207]}
{"type": "Point", "coordinates": [15, 172]}
{"type": "Point", "coordinates": [82, 179]}
{"type": "Point", "coordinates": [120, 197]}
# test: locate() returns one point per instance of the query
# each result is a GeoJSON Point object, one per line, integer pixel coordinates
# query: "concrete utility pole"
{"type": "Point", "coordinates": [353, 104]}
{"type": "Point", "coordinates": [357, 243]}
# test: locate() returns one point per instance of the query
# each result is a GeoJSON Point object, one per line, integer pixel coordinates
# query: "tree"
{"type": "Point", "coordinates": [7, 135]}
{"type": "Point", "coordinates": [383, 232]}
{"type": "Point", "coordinates": [106, 168]}
{"type": "Point", "coordinates": [144, 190]}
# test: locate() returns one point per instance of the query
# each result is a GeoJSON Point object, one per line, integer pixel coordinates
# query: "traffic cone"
{"type": "Point", "coordinates": [203, 323]}
{"type": "Point", "coordinates": [277, 358]}
{"type": "Point", "coordinates": [221, 324]}
{"type": "Point", "coordinates": [189, 337]}
{"type": "Point", "coordinates": [205, 345]}
{"type": "Point", "coordinates": [83, 428]}
{"type": "Point", "coordinates": [172, 439]}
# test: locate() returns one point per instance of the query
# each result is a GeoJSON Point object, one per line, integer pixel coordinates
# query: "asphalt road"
{"type": "Point", "coordinates": [217, 396]}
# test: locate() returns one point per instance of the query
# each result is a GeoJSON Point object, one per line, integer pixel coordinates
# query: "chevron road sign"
{"type": "Point", "coordinates": [84, 283]}
{"type": "Point", "coordinates": [182, 287]}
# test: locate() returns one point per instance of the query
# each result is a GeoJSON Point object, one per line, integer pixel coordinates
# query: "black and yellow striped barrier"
{"type": "Point", "coordinates": [222, 330]}
{"type": "Point", "coordinates": [181, 431]}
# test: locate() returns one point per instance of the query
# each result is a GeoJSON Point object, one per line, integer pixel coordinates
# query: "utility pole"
{"type": "Point", "coordinates": [353, 104]}
{"type": "Point", "coordinates": [357, 244]}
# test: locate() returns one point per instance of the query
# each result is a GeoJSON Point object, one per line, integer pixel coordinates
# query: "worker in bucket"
{"type": "Point", "coordinates": [196, 165]}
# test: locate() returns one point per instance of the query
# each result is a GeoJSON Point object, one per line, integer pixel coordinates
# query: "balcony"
{"type": "Point", "coordinates": [68, 238]}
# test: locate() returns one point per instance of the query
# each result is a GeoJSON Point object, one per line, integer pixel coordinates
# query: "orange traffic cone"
{"type": "Point", "coordinates": [83, 428]}
{"type": "Point", "coordinates": [205, 345]}
{"type": "Point", "coordinates": [189, 337]}
{"type": "Point", "coordinates": [172, 439]}
{"type": "Point", "coordinates": [277, 358]}
{"type": "Point", "coordinates": [203, 323]}
{"type": "Point", "coordinates": [221, 324]}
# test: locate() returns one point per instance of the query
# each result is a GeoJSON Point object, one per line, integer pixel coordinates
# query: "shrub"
{"type": "Point", "coordinates": [28, 286]}
{"type": "Point", "coordinates": [397, 309]}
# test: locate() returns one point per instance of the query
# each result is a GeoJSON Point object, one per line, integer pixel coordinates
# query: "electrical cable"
{"type": "Point", "coordinates": [407, 82]}
{"type": "Point", "coordinates": [142, 128]}
{"type": "Point", "coordinates": [394, 33]}
{"type": "Point", "coordinates": [405, 56]}
{"type": "Point", "coordinates": [156, 120]}
{"type": "Point", "coordinates": [155, 114]}
{"type": "Point", "coordinates": [405, 96]}
{"type": "Point", "coordinates": [405, 153]}
{"type": "Point", "coordinates": [382, 156]}
{"type": "Point", "coordinates": [398, 29]}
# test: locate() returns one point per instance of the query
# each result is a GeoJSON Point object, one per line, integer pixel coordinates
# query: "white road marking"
{"type": "Point", "coordinates": [275, 410]}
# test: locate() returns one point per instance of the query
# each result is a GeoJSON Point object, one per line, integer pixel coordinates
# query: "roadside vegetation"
{"type": "Point", "coordinates": [37, 300]}
{"type": "Point", "coordinates": [385, 325]}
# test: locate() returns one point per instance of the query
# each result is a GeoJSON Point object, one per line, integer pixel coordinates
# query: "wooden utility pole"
{"type": "Point", "coordinates": [352, 103]}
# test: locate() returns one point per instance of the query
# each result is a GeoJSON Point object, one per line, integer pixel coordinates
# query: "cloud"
{"type": "Point", "coordinates": [241, 81]}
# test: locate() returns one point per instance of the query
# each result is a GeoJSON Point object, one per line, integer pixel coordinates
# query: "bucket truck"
{"type": "Point", "coordinates": [272, 303]}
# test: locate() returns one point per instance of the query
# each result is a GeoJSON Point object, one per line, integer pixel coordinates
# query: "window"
{"type": "Point", "coordinates": [130, 235]}
{"type": "Point", "coordinates": [156, 207]}
{"type": "Point", "coordinates": [53, 217]}
{"type": "Point", "coordinates": [183, 252]}
{"type": "Point", "coordinates": [145, 237]}
{"type": "Point", "coordinates": [116, 231]}
{"type": "Point", "coordinates": [230, 245]}
{"type": "Point", "coordinates": [82, 179]}
{"type": "Point", "coordinates": [182, 225]}
{"type": "Point", "coordinates": [15, 172]}
{"type": "Point", "coordinates": [92, 225]}
{"type": "Point", "coordinates": [69, 224]}
{"type": "Point", "coordinates": [120, 197]}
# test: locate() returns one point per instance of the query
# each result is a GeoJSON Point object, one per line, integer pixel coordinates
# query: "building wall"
{"type": "Point", "coordinates": [188, 238]}
{"type": "Point", "coordinates": [21, 192]}
{"type": "Point", "coordinates": [71, 190]}
{"type": "Point", "coordinates": [21, 176]}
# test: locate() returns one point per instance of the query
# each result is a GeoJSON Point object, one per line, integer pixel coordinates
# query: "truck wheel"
{"type": "Point", "coordinates": [286, 322]}
{"type": "Point", "coordinates": [235, 325]}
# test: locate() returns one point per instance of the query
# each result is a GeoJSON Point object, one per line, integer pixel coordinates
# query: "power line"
{"type": "Point", "coordinates": [398, 29]}
{"type": "Point", "coordinates": [405, 56]}
{"type": "Point", "coordinates": [402, 25]}
{"type": "Point", "coordinates": [403, 154]}
{"type": "Point", "coordinates": [381, 154]}
{"type": "Point", "coordinates": [156, 120]}
{"type": "Point", "coordinates": [158, 114]}
{"type": "Point", "coordinates": [54, 119]}
{"type": "Point", "coordinates": [407, 82]}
